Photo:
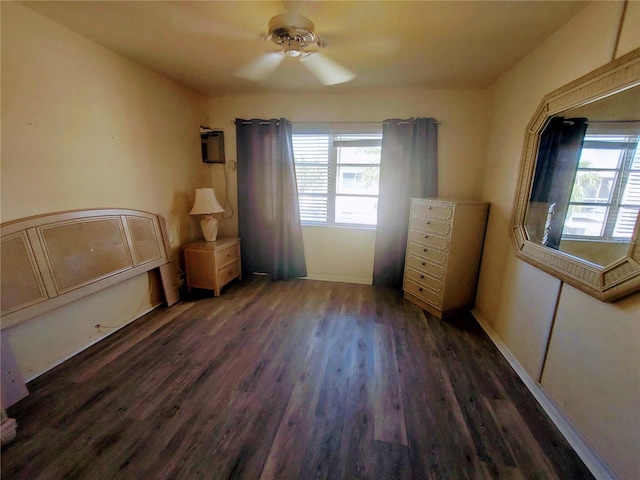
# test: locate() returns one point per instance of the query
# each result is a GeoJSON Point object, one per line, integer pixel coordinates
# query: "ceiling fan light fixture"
{"type": "Point", "coordinates": [291, 48]}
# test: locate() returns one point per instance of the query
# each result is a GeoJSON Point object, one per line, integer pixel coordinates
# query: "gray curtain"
{"type": "Point", "coordinates": [408, 168]}
{"type": "Point", "coordinates": [268, 211]}
{"type": "Point", "coordinates": [556, 167]}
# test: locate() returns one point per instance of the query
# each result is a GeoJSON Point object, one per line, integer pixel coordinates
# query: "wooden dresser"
{"type": "Point", "coordinates": [211, 265]}
{"type": "Point", "coordinates": [444, 247]}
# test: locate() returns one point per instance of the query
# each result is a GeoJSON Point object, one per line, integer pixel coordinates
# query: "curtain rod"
{"type": "Point", "coordinates": [613, 121]}
{"type": "Point", "coordinates": [247, 122]}
{"type": "Point", "coordinates": [405, 122]}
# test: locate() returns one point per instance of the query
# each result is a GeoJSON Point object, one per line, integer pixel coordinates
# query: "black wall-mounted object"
{"type": "Point", "coordinates": [212, 145]}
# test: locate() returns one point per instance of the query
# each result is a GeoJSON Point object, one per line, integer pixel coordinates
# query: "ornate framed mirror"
{"type": "Point", "coordinates": [578, 197]}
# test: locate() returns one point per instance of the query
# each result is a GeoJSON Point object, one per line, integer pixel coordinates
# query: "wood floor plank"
{"type": "Point", "coordinates": [321, 458]}
{"type": "Point", "coordinates": [357, 448]}
{"type": "Point", "coordinates": [388, 420]}
{"type": "Point", "coordinates": [125, 343]}
{"type": "Point", "coordinates": [471, 386]}
{"type": "Point", "coordinates": [531, 460]}
{"type": "Point", "coordinates": [440, 442]}
{"type": "Point", "coordinates": [282, 380]}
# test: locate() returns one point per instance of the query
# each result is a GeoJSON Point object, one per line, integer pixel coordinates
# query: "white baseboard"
{"type": "Point", "coordinates": [93, 342]}
{"type": "Point", "coordinates": [585, 451]}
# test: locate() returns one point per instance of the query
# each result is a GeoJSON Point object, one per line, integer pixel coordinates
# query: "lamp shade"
{"type": "Point", "coordinates": [205, 202]}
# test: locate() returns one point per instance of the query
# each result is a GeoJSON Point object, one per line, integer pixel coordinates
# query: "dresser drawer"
{"type": "Point", "coordinates": [429, 239]}
{"type": "Point", "coordinates": [425, 280]}
{"type": "Point", "coordinates": [427, 253]}
{"type": "Point", "coordinates": [437, 211]}
{"type": "Point", "coordinates": [440, 227]}
{"type": "Point", "coordinates": [227, 255]}
{"type": "Point", "coordinates": [423, 293]}
{"type": "Point", "coordinates": [423, 266]}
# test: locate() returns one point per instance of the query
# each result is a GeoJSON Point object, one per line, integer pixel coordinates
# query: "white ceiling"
{"type": "Point", "coordinates": [432, 44]}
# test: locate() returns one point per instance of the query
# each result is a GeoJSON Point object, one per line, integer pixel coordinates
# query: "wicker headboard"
{"type": "Point", "coordinates": [50, 260]}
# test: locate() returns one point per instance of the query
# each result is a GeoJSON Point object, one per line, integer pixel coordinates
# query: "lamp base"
{"type": "Point", "coordinates": [209, 226]}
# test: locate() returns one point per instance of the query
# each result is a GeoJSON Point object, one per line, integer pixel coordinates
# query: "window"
{"type": "Point", "coordinates": [605, 199]}
{"type": "Point", "coordinates": [338, 171]}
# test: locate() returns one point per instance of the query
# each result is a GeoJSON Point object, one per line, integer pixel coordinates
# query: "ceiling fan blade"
{"type": "Point", "coordinates": [326, 70]}
{"type": "Point", "coordinates": [260, 68]}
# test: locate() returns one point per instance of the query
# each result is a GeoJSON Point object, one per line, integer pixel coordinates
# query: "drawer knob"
{"type": "Point", "coordinates": [429, 207]}
{"type": "Point", "coordinates": [425, 250]}
{"type": "Point", "coordinates": [428, 222]}
{"type": "Point", "coordinates": [421, 276]}
{"type": "Point", "coordinates": [419, 289]}
{"type": "Point", "coordinates": [426, 236]}
{"type": "Point", "coordinates": [423, 264]}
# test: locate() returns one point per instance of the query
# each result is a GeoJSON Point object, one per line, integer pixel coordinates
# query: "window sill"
{"type": "Point", "coordinates": [339, 226]}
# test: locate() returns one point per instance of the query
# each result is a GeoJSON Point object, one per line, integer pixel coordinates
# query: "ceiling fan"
{"type": "Point", "coordinates": [294, 34]}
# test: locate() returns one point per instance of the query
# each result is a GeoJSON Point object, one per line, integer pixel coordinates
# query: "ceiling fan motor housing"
{"type": "Point", "coordinates": [292, 31]}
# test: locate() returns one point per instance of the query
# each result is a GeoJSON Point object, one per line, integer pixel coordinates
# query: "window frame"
{"type": "Point", "coordinates": [629, 151]}
{"type": "Point", "coordinates": [334, 132]}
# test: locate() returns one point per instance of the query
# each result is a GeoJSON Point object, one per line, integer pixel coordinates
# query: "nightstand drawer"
{"type": "Point", "coordinates": [227, 255]}
{"type": "Point", "coordinates": [228, 273]}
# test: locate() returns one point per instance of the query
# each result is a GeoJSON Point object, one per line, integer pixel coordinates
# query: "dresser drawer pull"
{"type": "Point", "coordinates": [421, 276]}
{"type": "Point", "coordinates": [426, 236]}
{"type": "Point", "coordinates": [420, 289]}
{"type": "Point", "coordinates": [425, 250]}
{"type": "Point", "coordinates": [423, 264]}
{"type": "Point", "coordinates": [430, 207]}
{"type": "Point", "coordinates": [428, 222]}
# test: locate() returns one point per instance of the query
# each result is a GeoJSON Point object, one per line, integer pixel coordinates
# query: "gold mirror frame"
{"type": "Point", "coordinates": [608, 283]}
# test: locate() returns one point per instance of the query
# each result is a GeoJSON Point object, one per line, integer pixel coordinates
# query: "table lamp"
{"type": "Point", "coordinates": [206, 204]}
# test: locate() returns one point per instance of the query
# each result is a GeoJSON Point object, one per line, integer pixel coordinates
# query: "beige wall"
{"type": "Point", "coordinates": [592, 369]}
{"type": "Point", "coordinates": [462, 139]}
{"type": "Point", "coordinates": [82, 127]}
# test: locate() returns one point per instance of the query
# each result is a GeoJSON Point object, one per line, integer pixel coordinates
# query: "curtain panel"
{"type": "Point", "coordinates": [408, 168]}
{"type": "Point", "coordinates": [556, 167]}
{"type": "Point", "coordinates": [268, 211]}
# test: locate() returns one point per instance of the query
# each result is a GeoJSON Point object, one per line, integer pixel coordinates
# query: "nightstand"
{"type": "Point", "coordinates": [211, 265]}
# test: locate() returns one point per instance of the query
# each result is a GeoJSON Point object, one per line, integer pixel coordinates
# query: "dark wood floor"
{"type": "Point", "coordinates": [286, 380]}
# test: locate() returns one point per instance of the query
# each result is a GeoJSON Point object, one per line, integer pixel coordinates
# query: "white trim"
{"type": "Point", "coordinates": [585, 451]}
{"type": "Point", "coordinates": [90, 344]}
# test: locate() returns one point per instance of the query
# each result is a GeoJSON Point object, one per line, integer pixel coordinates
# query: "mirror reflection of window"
{"type": "Point", "coordinates": [605, 198]}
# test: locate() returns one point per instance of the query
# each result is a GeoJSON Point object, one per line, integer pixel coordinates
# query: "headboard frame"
{"type": "Point", "coordinates": [53, 259]}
